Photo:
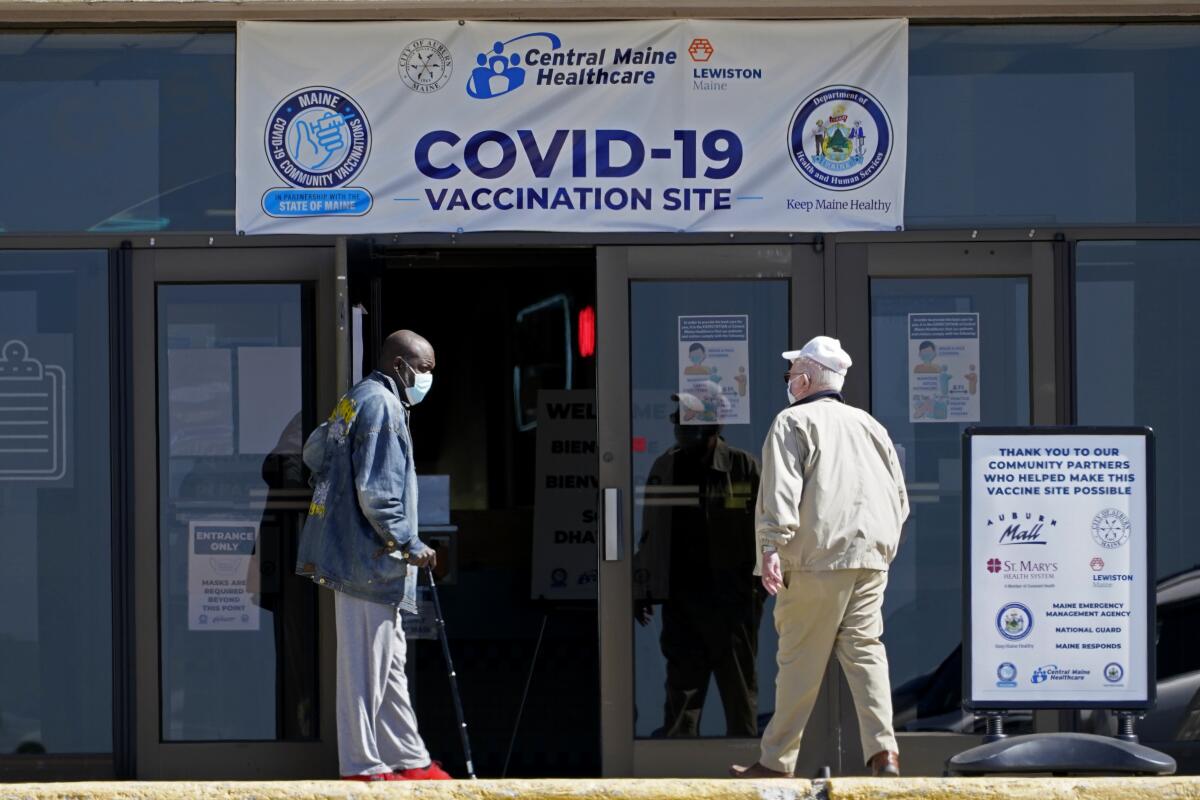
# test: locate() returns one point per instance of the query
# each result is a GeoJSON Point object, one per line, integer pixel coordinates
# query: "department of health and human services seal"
{"type": "Point", "coordinates": [1014, 622]}
{"type": "Point", "coordinates": [840, 138]}
{"type": "Point", "coordinates": [425, 65]}
{"type": "Point", "coordinates": [1110, 528]}
{"type": "Point", "coordinates": [317, 140]}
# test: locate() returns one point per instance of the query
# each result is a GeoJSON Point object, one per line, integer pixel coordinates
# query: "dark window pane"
{"type": "Point", "coordinates": [1135, 323]}
{"type": "Point", "coordinates": [238, 626]}
{"type": "Point", "coordinates": [1052, 124]}
{"type": "Point", "coordinates": [117, 131]}
{"type": "Point", "coordinates": [923, 606]}
{"type": "Point", "coordinates": [55, 584]}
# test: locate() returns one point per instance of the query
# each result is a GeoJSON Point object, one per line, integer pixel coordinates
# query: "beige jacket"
{"type": "Point", "coordinates": [832, 494]}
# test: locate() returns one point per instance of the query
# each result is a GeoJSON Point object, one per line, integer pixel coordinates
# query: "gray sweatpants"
{"type": "Point", "coordinates": [376, 726]}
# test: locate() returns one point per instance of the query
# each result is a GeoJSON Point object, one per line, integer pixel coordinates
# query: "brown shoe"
{"type": "Point", "coordinates": [885, 764]}
{"type": "Point", "coordinates": [755, 770]}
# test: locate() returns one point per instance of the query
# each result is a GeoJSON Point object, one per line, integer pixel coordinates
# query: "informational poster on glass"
{"type": "Point", "coordinates": [714, 370]}
{"type": "Point", "coordinates": [1058, 568]}
{"type": "Point", "coordinates": [220, 557]}
{"type": "Point", "coordinates": [564, 516]}
{"type": "Point", "coordinates": [943, 367]}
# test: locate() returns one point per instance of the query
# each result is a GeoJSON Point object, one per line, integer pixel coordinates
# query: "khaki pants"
{"type": "Point", "coordinates": [817, 613]}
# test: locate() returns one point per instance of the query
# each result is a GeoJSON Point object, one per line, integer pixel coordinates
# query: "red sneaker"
{"type": "Point", "coordinates": [432, 772]}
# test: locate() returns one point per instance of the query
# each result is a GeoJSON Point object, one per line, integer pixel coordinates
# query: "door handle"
{"type": "Point", "coordinates": [611, 518]}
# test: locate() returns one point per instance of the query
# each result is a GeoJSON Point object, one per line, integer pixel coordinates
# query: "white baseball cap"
{"type": "Point", "coordinates": [824, 350]}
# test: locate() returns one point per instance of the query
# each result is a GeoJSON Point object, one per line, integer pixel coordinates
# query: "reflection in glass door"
{"type": "Point", "coordinates": [705, 356]}
{"type": "Point", "coordinates": [238, 627]}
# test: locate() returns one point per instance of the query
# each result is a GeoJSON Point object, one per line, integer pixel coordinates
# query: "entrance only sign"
{"type": "Point", "coordinates": [1058, 568]}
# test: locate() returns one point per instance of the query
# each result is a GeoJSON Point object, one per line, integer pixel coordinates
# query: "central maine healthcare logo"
{"type": "Point", "coordinates": [317, 140]}
{"type": "Point", "coordinates": [840, 138]}
{"type": "Point", "coordinates": [499, 72]}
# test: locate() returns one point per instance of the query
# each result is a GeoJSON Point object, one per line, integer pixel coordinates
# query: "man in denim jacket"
{"type": "Point", "coordinates": [360, 540]}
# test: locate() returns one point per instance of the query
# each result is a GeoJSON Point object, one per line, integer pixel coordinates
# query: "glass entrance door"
{"type": "Point", "coordinates": [689, 374]}
{"type": "Point", "coordinates": [943, 336]}
{"type": "Point", "coordinates": [233, 360]}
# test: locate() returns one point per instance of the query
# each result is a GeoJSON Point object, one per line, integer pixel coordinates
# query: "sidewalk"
{"type": "Point", "coordinates": [1184, 788]}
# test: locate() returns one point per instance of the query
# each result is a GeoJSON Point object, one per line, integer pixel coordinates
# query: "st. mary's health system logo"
{"type": "Point", "coordinates": [840, 138]}
{"type": "Point", "coordinates": [317, 140]}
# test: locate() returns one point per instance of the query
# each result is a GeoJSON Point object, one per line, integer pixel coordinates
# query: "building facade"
{"type": "Point", "coordinates": [160, 372]}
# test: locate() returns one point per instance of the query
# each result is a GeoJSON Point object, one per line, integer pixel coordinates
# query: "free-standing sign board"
{"type": "Point", "coordinates": [1058, 568]}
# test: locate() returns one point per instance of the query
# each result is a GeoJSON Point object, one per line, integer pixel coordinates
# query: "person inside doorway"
{"type": "Point", "coordinates": [828, 518]}
{"type": "Point", "coordinates": [696, 559]}
{"type": "Point", "coordinates": [360, 540]}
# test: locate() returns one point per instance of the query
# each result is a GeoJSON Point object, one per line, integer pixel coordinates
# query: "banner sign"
{"type": "Point", "coordinates": [647, 126]}
{"type": "Point", "coordinates": [1059, 568]}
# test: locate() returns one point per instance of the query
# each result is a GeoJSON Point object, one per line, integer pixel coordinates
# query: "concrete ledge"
{"type": "Point", "coordinates": [575, 789]}
{"type": "Point", "coordinates": [1187, 788]}
{"type": "Point", "coordinates": [836, 789]}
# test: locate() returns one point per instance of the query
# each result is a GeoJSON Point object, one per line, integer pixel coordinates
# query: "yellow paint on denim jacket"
{"type": "Point", "coordinates": [317, 507]}
{"type": "Point", "coordinates": [344, 411]}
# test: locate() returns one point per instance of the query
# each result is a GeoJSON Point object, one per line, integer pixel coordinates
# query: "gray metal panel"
{"type": "Point", "coordinates": [31, 11]}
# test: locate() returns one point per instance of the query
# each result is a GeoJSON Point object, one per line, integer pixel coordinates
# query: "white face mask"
{"type": "Point", "coordinates": [791, 397]}
{"type": "Point", "coordinates": [422, 383]}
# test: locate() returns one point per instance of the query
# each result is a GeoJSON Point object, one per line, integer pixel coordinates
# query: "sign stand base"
{"type": "Point", "coordinates": [1060, 753]}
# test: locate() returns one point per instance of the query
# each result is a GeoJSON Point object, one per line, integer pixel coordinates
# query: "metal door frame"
{"type": "Point", "coordinates": [622, 754]}
{"type": "Point", "coordinates": [323, 267]}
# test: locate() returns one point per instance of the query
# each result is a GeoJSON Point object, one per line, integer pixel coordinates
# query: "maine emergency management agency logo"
{"type": "Point", "coordinates": [317, 140]}
{"type": "Point", "coordinates": [1110, 528]}
{"type": "Point", "coordinates": [1113, 672]}
{"type": "Point", "coordinates": [425, 65]}
{"type": "Point", "coordinates": [840, 138]}
{"type": "Point", "coordinates": [1014, 622]}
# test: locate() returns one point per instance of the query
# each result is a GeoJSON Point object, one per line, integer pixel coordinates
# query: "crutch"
{"type": "Point", "coordinates": [458, 708]}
